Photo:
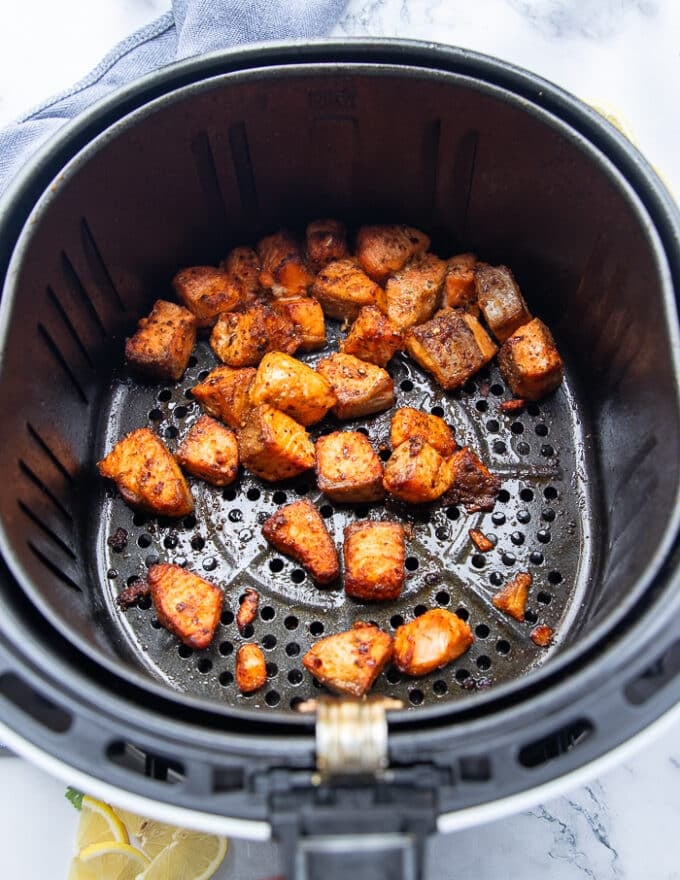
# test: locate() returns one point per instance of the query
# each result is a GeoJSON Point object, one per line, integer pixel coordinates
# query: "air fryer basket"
{"type": "Point", "coordinates": [217, 152]}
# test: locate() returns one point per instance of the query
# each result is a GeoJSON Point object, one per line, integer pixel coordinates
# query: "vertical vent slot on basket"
{"type": "Point", "coordinates": [243, 167]}
{"type": "Point", "coordinates": [55, 569]}
{"type": "Point", "coordinates": [463, 176]}
{"type": "Point", "coordinates": [655, 677]}
{"type": "Point", "coordinates": [46, 491]}
{"type": "Point", "coordinates": [70, 327]}
{"type": "Point", "coordinates": [206, 169]}
{"type": "Point", "coordinates": [20, 693]}
{"type": "Point", "coordinates": [80, 294]}
{"type": "Point", "coordinates": [555, 744]}
{"type": "Point", "coordinates": [58, 355]}
{"type": "Point", "coordinates": [145, 763]}
{"type": "Point", "coordinates": [97, 266]}
{"type": "Point", "coordinates": [50, 453]}
{"type": "Point", "coordinates": [47, 530]}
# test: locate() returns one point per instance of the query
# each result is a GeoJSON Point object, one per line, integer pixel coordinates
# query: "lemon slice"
{"type": "Point", "coordinates": [98, 823]}
{"type": "Point", "coordinates": [108, 861]}
{"type": "Point", "coordinates": [133, 823]}
{"type": "Point", "coordinates": [155, 836]}
{"type": "Point", "coordinates": [191, 856]}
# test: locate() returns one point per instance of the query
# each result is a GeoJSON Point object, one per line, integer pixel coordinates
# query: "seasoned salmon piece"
{"type": "Point", "coordinates": [529, 361]}
{"type": "Point", "coordinates": [349, 662]}
{"type": "Point", "coordinates": [284, 269]}
{"type": "Point", "coordinates": [343, 289]}
{"type": "Point", "coordinates": [348, 469]}
{"type": "Point", "coordinates": [247, 609]}
{"type": "Point", "coordinates": [412, 294]}
{"type": "Point", "coordinates": [326, 242]}
{"type": "Point", "coordinates": [472, 484]}
{"type": "Point", "coordinates": [206, 292]}
{"type": "Point", "coordinates": [361, 388]}
{"type": "Point", "coordinates": [241, 339]}
{"type": "Point", "coordinates": [210, 452]}
{"type": "Point", "coordinates": [163, 343]}
{"type": "Point", "coordinates": [542, 635]}
{"type": "Point", "coordinates": [374, 557]}
{"type": "Point", "coordinates": [185, 604]}
{"type": "Point", "coordinates": [452, 346]}
{"type": "Point", "coordinates": [306, 314]}
{"type": "Point", "coordinates": [416, 473]}
{"type": "Point", "coordinates": [372, 337]}
{"type": "Point", "coordinates": [273, 446]}
{"type": "Point", "coordinates": [500, 300]}
{"type": "Point", "coordinates": [251, 669]}
{"type": "Point", "coordinates": [147, 476]}
{"type": "Point", "coordinates": [480, 540]}
{"type": "Point", "coordinates": [224, 393]}
{"type": "Point", "coordinates": [460, 290]}
{"type": "Point", "coordinates": [384, 250]}
{"type": "Point", "coordinates": [242, 264]}
{"type": "Point", "coordinates": [512, 599]}
{"type": "Point", "coordinates": [298, 530]}
{"type": "Point", "coordinates": [292, 387]}
{"type": "Point", "coordinates": [431, 641]}
{"type": "Point", "coordinates": [408, 423]}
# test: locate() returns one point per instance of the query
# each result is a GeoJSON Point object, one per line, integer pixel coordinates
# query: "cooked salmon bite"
{"type": "Point", "coordinates": [251, 668]}
{"type": "Point", "coordinates": [416, 473]}
{"type": "Point", "coordinates": [472, 483]}
{"type": "Point", "coordinates": [273, 446]}
{"type": "Point", "coordinates": [326, 241]}
{"type": "Point", "coordinates": [460, 291]}
{"type": "Point", "coordinates": [147, 476]}
{"type": "Point", "coordinates": [374, 557]}
{"type": "Point", "coordinates": [431, 641]}
{"type": "Point", "coordinates": [529, 361]}
{"type": "Point", "coordinates": [500, 300]}
{"type": "Point", "coordinates": [412, 294]}
{"type": "Point", "coordinates": [185, 604]}
{"type": "Point", "coordinates": [372, 337]}
{"type": "Point", "coordinates": [283, 268]}
{"type": "Point", "coordinates": [225, 394]}
{"type": "Point", "coordinates": [162, 345]}
{"type": "Point", "coordinates": [384, 250]}
{"type": "Point", "coordinates": [241, 339]}
{"type": "Point", "coordinates": [299, 531]}
{"type": "Point", "coordinates": [247, 609]}
{"type": "Point", "coordinates": [348, 469]}
{"type": "Point", "coordinates": [242, 264]}
{"type": "Point", "coordinates": [408, 423]}
{"type": "Point", "coordinates": [210, 452]}
{"type": "Point", "coordinates": [349, 662]}
{"type": "Point", "coordinates": [206, 292]}
{"type": "Point", "coordinates": [361, 388]}
{"type": "Point", "coordinates": [293, 387]}
{"type": "Point", "coordinates": [343, 289]}
{"type": "Point", "coordinates": [307, 317]}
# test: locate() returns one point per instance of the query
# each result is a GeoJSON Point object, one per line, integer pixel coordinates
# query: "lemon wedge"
{"type": "Point", "coordinates": [133, 823]}
{"type": "Point", "coordinates": [155, 836]}
{"type": "Point", "coordinates": [191, 856]}
{"type": "Point", "coordinates": [110, 860]}
{"type": "Point", "coordinates": [98, 823]}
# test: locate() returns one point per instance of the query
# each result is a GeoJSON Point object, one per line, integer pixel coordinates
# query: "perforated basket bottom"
{"type": "Point", "coordinates": [539, 523]}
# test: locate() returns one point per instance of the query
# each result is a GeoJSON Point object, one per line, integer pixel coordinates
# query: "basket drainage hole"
{"type": "Point", "coordinates": [197, 543]}
{"type": "Point", "coordinates": [453, 512]}
{"type": "Point", "coordinates": [496, 389]}
{"type": "Point", "coordinates": [483, 662]}
{"type": "Point", "coordinates": [279, 497]}
{"type": "Point", "coordinates": [189, 521]}
{"type": "Point", "coordinates": [225, 678]}
{"type": "Point", "coordinates": [184, 652]}
{"type": "Point", "coordinates": [503, 496]}
{"type": "Point", "coordinates": [180, 412]}
{"type": "Point", "coordinates": [253, 494]}
{"type": "Point", "coordinates": [554, 577]}
{"type": "Point", "coordinates": [530, 616]}
{"type": "Point", "coordinates": [272, 670]}
{"type": "Point", "coordinates": [227, 617]}
{"type": "Point", "coordinates": [291, 622]}
{"type": "Point", "coordinates": [292, 649]}
{"type": "Point", "coordinates": [248, 631]}
{"type": "Point", "coordinates": [517, 428]}
{"type": "Point", "coordinates": [204, 665]}
{"type": "Point", "coordinates": [203, 375]}
{"type": "Point", "coordinates": [316, 628]}
{"type": "Point", "coordinates": [226, 648]}
{"type": "Point", "coordinates": [437, 411]}
{"type": "Point", "coordinates": [276, 565]}
{"type": "Point", "coordinates": [439, 688]}
{"type": "Point", "coordinates": [442, 598]}
{"type": "Point", "coordinates": [419, 610]}
{"type": "Point", "coordinates": [541, 430]}
{"type": "Point", "coordinates": [411, 563]}
{"type": "Point", "coordinates": [393, 675]}
{"type": "Point", "coordinates": [272, 698]}
{"type": "Point", "coordinates": [229, 494]}
{"type": "Point", "coordinates": [482, 631]}
{"type": "Point", "coordinates": [478, 560]}
{"type": "Point", "coordinates": [526, 495]}
{"type": "Point", "coordinates": [139, 519]}
{"type": "Point", "coordinates": [295, 702]}
{"type": "Point", "coordinates": [297, 575]}
{"type": "Point", "coordinates": [415, 697]}
{"type": "Point", "coordinates": [267, 613]}
{"type": "Point", "coordinates": [406, 385]}
{"type": "Point", "coordinates": [384, 454]}
{"type": "Point", "coordinates": [550, 493]}
{"type": "Point", "coordinates": [295, 676]}
{"type": "Point", "coordinates": [492, 426]}
{"type": "Point", "coordinates": [502, 646]}
{"type": "Point", "coordinates": [463, 613]}
{"type": "Point", "coordinates": [481, 406]}
{"type": "Point", "coordinates": [326, 511]}
{"type": "Point", "coordinates": [462, 674]}
{"type": "Point", "coordinates": [165, 395]}
{"type": "Point", "coordinates": [269, 642]}
{"type": "Point", "coordinates": [156, 624]}
{"type": "Point", "coordinates": [544, 598]}
{"type": "Point", "coordinates": [144, 602]}
{"type": "Point", "coordinates": [396, 621]}
{"type": "Point", "coordinates": [547, 451]}
{"type": "Point", "coordinates": [155, 415]}
{"type": "Point", "coordinates": [171, 432]}
{"type": "Point", "coordinates": [170, 542]}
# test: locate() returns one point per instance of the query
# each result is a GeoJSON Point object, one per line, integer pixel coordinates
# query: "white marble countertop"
{"type": "Point", "coordinates": [620, 54]}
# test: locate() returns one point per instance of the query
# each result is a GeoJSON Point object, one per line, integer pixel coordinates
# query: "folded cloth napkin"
{"type": "Point", "coordinates": [190, 28]}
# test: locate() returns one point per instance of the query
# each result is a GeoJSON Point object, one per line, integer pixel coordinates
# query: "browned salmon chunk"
{"type": "Point", "coordinates": [529, 361]}
{"type": "Point", "coordinates": [500, 300]}
{"type": "Point", "coordinates": [431, 641]}
{"type": "Point", "coordinates": [274, 446]}
{"type": "Point", "coordinates": [348, 469]}
{"type": "Point", "coordinates": [472, 484]}
{"type": "Point", "coordinates": [185, 604]}
{"type": "Point", "coordinates": [384, 250]}
{"type": "Point", "coordinates": [298, 530]}
{"type": "Point", "coordinates": [251, 668]}
{"type": "Point", "coordinates": [349, 662]}
{"type": "Point", "coordinates": [206, 292]}
{"type": "Point", "coordinates": [361, 388]}
{"type": "Point", "coordinates": [242, 264]}
{"type": "Point", "coordinates": [412, 294]}
{"type": "Point", "coordinates": [460, 291]}
{"type": "Point", "coordinates": [292, 387]}
{"type": "Point", "coordinates": [147, 476]}
{"type": "Point", "coordinates": [241, 339]}
{"type": "Point", "coordinates": [343, 289]}
{"type": "Point", "coordinates": [326, 241]}
{"type": "Point", "coordinates": [452, 346]}
{"type": "Point", "coordinates": [224, 393]}
{"type": "Point", "coordinates": [512, 599]}
{"type": "Point", "coordinates": [372, 337]}
{"type": "Point", "coordinates": [210, 452]}
{"type": "Point", "coordinates": [247, 609]}
{"type": "Point", "coordinates": [416, 473]}
{"type": "Point", "coordinates": [480, 540]}
{"type": "Point", "coordinates": [163, 343]}
{"type": "Point", "coordinates": [374, 557]}
{"type": "Point", "coordinates": [408, 423]}
{"type": "Point", "coordinates": [306, 314]}
{"type": "Point", "coordinates": [284, 269]}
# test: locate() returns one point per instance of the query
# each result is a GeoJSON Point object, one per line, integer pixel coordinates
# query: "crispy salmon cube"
{"type": "Point", "coordinates": [224, 393]}
{"type": "Point", "coordinates": [147, 476]}
{"type": "Point", "coordinates": [206, 292]}
{"type": "Point", "coordinates": [384, 250]}
{"type": "Point", "coordinates": [500, 300]}
{"type": "Point", "coordinates": [284, 269]}
{"type": "Point", "coordinates": [163, 343]}
{"type": "Point", "coordinates": [472, 484]}
{"type": "Point", "coordinates": [416, 473]}
{"type": "Point", "coordinates": [374, 557]}
{"type": "Point", "coordinates": [349, 662]}
{"type": "Point", "coordinates": [372, 337]}
{"type": "Point", "coordinates": [292, 387]}
{"type": "Point", "coordinates": [251, 669]}
{"type": "Point", "coordinates": [241, 339]}
{"type": "Point", "coordinates": [326, 242]}
{"type": "Point", "coordinates": [529, 361]}
{"type": "Point", "coordinates": [210, 452]}
{"type": "Point", "coordinates": [299, 531]}
{"type": "Point", "coordinates": [361, 388]}
{"type": "Point", "coordinates": [452, 346]}
{"type": "Point", "coordinates": [242, 264]}
{"type": "Point", "coordinates": [343, 289]}
{"type": "Point", "coordinates": [431, 641]}
{"type": "Point", "coordinates": [512, 599]}
{"type": "Point", "coordinates": [408, 423]}
{"type": "Point", "coordinates": [348, 469]}
{"type": "Point", "coordinates": [274, 446]}
{"type": "Point", "coordinates": [185, 604]}
{"type": "Point", "coordinates": [412, 294]}
{"type": "Point", "coordinates": [460, 290]}
{"type": "Point", "coordinates": [306, 314]}
{"type": "Point", "coordinates": [247, 609]}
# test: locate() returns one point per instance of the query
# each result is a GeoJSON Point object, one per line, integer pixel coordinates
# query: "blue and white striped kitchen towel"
{"type": "Point", "coordinates": [192, 27]}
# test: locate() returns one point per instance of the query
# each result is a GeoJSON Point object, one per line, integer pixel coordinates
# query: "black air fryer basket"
{"type": "Point", "coordinates": [216, 152]}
